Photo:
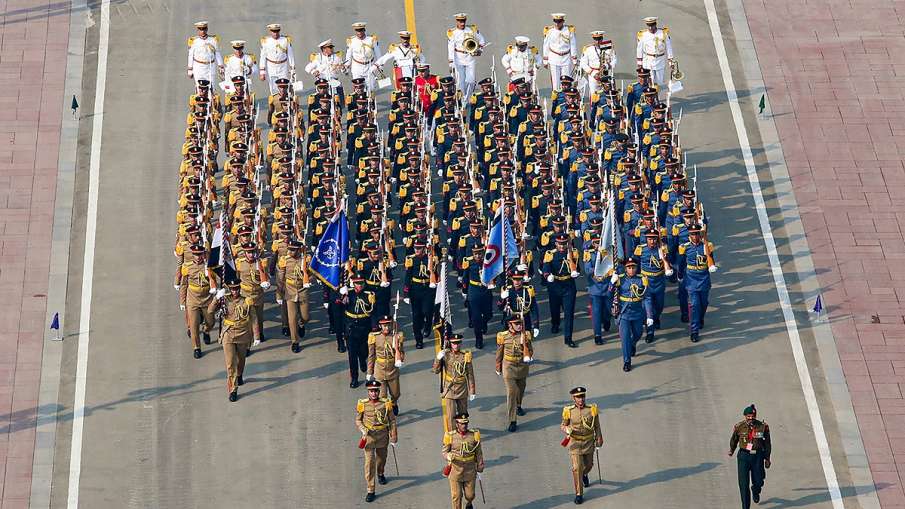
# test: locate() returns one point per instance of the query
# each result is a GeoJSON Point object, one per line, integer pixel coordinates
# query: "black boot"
{"type": "Point", "coordinates": [419, 344]}
{"type": "Point", "coordinates": [554, 329]}
{"type": "Point", "coordinates": [694, 337]}
{"type": "Point", "coordinates": [520, 411]}
{"type": "Point", "coordinates": [650, 337]}
{"type": "Point", "coordinates": [233, 396]}
{"type": "Point", "coordinates": [627, 367]}
{"type": "Point", "coordinates": [370, 497]}
{"type": "Point", "coordinates": [382, 479]}
{"type": "Point", "coordinates": [598, 340]}
{"type": "Point", "coordinates": [240, 381]}
{"type": "Point", "coordinates": [285, 331]}
{"type": "Point", "coordinates": [479, 345]}
{"type": "Point", "coordinates": [207, 338]}
{"type": "Point", "coordinates": [570, 343]}
{"type": "Point", "coordinates": [513, 426]}
{"type": "Point", "coordinates": [354, 384]}
{"type": "Point", "coordinates": [301, 332]}
{"type": "Point", "coordinates": [340, 346]}
{"type": "Point", "coordinates": [756, 497]}
{"type": "Point", "coordinates": [579, 499]}
{"type": "Point", "coordinates": [585, 481]}
{"type": "Point", "coordinates": [606, 326]}
{"type": "Point", "coordinates": [197, 353]}
{"type": "Point", "coordinates": [296, 348]}
{"type": "Point", "coordinates": [684, 318]}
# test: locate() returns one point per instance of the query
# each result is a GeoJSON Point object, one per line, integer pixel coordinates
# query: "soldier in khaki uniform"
{"type": "Point", "coordinates": [296, 282]}
{"type": "Point", "coordinates": [455, 366]}
{"type": "Point", "coordinates": [513, 354]}
{"type": "Point", "coordinates": [377, 424]}
{"type": "Point", "coordinates": [201, 285]}
{"type": "Point", "coordinates": [385, 357]}
{"type": "Point", "coordinates": [752, 437]}
{"type": "Point", "coordinates": [252, 273]}
{"type": "Point", "coordinates": [581, 424]}
{"type": "Point", "coordinates": [465, 461]}
{"type": "Point", "coordinates": [235, 336]}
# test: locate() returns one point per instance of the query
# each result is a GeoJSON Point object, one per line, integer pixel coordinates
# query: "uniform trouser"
{"type": "Point", "coordinates": [458, 489]}
{"type": "Point", "coordinates": [465, 78]}
{"type": "Point", "coordinates": [660, 76]}
{"type": "Point", "coordinates": [562, 299]}
{"type": "Point", "coordinates": [422, 299]}
{"type": "Point", "coordinates": [629, 332]}
{"type": "Point", "coordinates": [375, 461]}
{"type": "Point", "coordinates": [453, 407]}
{"type": "Point", "coordinates": [207, 72]}
{"type": "Point", "coordinates": [297, 313]}
{"type": "Point", "coordinates": [357, 344]}
{"type": "Point", "coordinates": [480, 309]}
{"type": "Point", "coordinates": [364, 71]}
{"type": "Point", "coordinates": [657, 299]}
{"type": "Point", "coordinates": [198, 317]}
{"type": "Point", "coordinates": [600, 313]}
{"type": "Point", "coordinates": [390, 386]}
{"type": "Point", "coordinates": [335, 313]}
{"type": "Point", "coordinates": [275, 72]}
{"type": "Point", "coordinates": [557, 71]}
{"type": "Point", "coordinates": [750, 470]}
{"type": "Point", "coordinates": [257, 321]}
{"type": "Point", "coordinates": [515, 390]}
{"type": "Point", "coordinates": [383, 297]}
{"type": "Point", "coordinates": [581, 466]}
{"type": "Point", "coordinates": [694, 305]}
{"type": "Point", "coordinates": [235, 363]}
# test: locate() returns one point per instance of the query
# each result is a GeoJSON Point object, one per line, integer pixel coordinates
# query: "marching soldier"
{"type": "Point", "coordinates": [478, 295]}
{"type": "Point", "coordinates": [405, 57]}
{"type": "Point", "coordinates": [560, 269]}
{"type": "Point", "coordinates": [597, 59]}
{"type": "Point", "coordinates": [598, 291]}
{"type": "Point", "coordinates": [465, 461]}
{"type": "Point", "coordinates": [518, 299]}
{"type": "Point", "coordinates": [420, 288]}
{"type": "Point", "coordinates": [521, 61]}
{"type": "Point", "coordinates": [377, 424]}
{"type": "Point", "coordinates": [358, 305]}
{"type": "Point", "coordinates": [694, 266]}
{"type": "Point", "coordinates": [462, 62]}
{"type": "Point", "coordinates": [385, 357]}
{"type": "Point", "coordinates": [294, 267]}
{"type": "Point", "coordinates": [457, 381]}
{"type": "Point", "coordinates": [326, 64]}
{"type": "Point", "coordinates": [560, 49]}
{"type": "Point", "coordinates": [631, 303]}
{"type": "Point", "coordinates": [752, 437]}
{"type": "Point", "coordinates": [252, 273]}
{"type": "Point", "coordinates": [235, 336]}
{"type": "Point", "coordinates": [205, 60]}
{"type": "Point", "coordinates": [277, 59]}
{"type": "Point", "coordinates": [514, 353]}
{"type": "Point", "coordinates": [239, 63]}
{"type": "Point", "coordinates": [654, 51]}
{"type": "Point", "coordinates": [581, 425]}
{"type": "Point", "coordinates": [361, 52]}
{"type": "Point", "coordinates": [201, 285]}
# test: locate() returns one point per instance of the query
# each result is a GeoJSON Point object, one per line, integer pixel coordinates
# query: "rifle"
{"type": "Point", "coordinates": [396, 355]}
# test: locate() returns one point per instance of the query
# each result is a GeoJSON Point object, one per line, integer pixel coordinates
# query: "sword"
{"type": "Point", "coordinates": [396, 462]}
{"type": "Point", "coordinates": [481, 485]}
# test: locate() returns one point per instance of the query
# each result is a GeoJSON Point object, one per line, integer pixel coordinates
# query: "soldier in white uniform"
{"type": "Point", "coordinates": [405, 57]}
{"type": "Point", "coordinates": [328, 65]}
{"type": "Point", "coordinates": [521, 60]}
{"type": "Point", "coordinates": [597, 59]}
{"type": "Point", "coordinates": [655, 51]}
{"type": "Point", "coordinates": [277, 59]}
{"type": "Point", "coordinates": [361, 52]}
{"type": "Point", "coordinates": [204, 55]}
{"type": "Point", "coordinates": [461, 63]}
{"type": "Point", "coordinates": [239, 63]}
{"type": "Point", "coordinates": [560, 49]}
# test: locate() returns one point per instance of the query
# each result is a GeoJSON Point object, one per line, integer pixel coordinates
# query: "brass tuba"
{"type": "Point", "coordinates": [470, 44]}
{"type": "Point", "coordinates": [675, 73]}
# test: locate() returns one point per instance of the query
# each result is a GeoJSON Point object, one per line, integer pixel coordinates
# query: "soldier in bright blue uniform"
{"type": "Point", "coordinates": [560, 269]}
{"type": "Point", "coordinates": [478, 295]}
{"type": "Point", "coordinates": [655, 268]}
{"type": "Point", "coordinates": [633, 308]}
{"type": "Point", "coordinates": [695, 264]}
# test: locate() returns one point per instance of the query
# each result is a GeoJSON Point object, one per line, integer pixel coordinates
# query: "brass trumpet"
{"type": "Point", "coordinates": [470, 44]}
{"type": "Point", "coordinates": [675, 73]}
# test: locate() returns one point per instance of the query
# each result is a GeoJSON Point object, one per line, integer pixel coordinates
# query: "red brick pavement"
{"type": "Point", "coordinates": [34, 36]}
{"type": "Point", "coordinates": [835, 74]}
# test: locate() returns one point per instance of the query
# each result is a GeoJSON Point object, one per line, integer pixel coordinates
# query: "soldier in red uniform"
{"type": "Point", "coordinates": [425, 83]}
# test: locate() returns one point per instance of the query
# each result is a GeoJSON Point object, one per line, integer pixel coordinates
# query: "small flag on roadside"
{"type": "Point", "coordinates": [75, 105]}
{"type": "Point", "coordinates": [762, 105]}
{"type": "Point", "coordinates": [55, 326]}
{"type": "Point", "coordinates": [818, 306]}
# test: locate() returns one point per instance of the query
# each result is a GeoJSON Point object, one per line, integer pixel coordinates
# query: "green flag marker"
{"type": "Point", "coordinates": [762, 105]}
{"type": "Point", "coordinates": [75, 105]}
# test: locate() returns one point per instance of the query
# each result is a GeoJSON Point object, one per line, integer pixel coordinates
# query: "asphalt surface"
{"type": "Point", "coordinates": [159, 431]}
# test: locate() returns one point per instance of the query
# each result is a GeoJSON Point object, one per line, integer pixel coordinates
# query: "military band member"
{"type": "Point", "coordinates": [597, 59]}
{"type": "Point", "coordinates": [462, 62]}
{"type": "Point", "coordinates": [235, 336]}
{"type": "Point", "coordinates": [385, 356]}
{"type": "Point", "coordinates": [581, 425]}
{"type": "Point", "coordinates": [294, 267]}
{"type": "Point", "coordinates": [201, 285]}
{"type": "Point", "coordinates": [560, 52]}
{"type": "Point", "coordinates": [239, 63]}
{"type": "Point", "coordinates": [361, 52]}
{"type": "Point", "coordinates": [205, 61]}
{"type": "Point", "coordinates": [752, 437]}
{"type": "Point", "coordinates": [277, 58]}
{"type": "Point", "coordinates": [358, 305]}
{"type": "Point", "coordinates": [457, 378]}
{"type": "Point", "coordinates": [514, 353]}
{"type": "Point", "coordinates": [327, 64]}
{"type": "Point", "coordinates": [465, 461]}
{"type": "Point", "coordinates": [405, 57]}
{"type": "Point", "coordinates": [654, 51]}
{"type": "Point", "coordinates": [521, 60]}
{"type": "Point", "coordinates": [377, 424]}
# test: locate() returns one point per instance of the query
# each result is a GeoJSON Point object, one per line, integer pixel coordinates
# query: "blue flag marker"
{"type": "Point", "coordinates": [501, 248]}
{"type": "Point", "coordinates": [55, 326]}
{"type": "Point", "coordinates": [332, 252]}
{"type": "Point", "coordinates": [818, 306]}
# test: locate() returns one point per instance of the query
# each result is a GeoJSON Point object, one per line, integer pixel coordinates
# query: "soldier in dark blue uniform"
{"type": "Point", "coordinates": [477, 295]}
{"type": "Point", "coordinates": [560, 269]}
{"type": "Point", "coordinates": [633, 308]}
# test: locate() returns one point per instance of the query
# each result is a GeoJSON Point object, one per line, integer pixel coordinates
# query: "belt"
{"type": "Point", "coordinates": [558, 53]}
{"type": "Point", "coordinates": [372, 283]}
{"type": "Point", "coordinates": [384, 361]}
{"type": "Point", "coordinates": [461, 51]}
{"type": "Point", "coordinates": [247, 287]}
{"type": "Point", "coordinates": [629, 299]}
{"type": "Point", "coordinates": [360, 62]}
{"type": "Point", "coordinates": [291, 281]}
{"type": "Point", "coordinates": [357, 316]}
{"type": "Point", "coordinates": [196, 288]}
{"type": "Point", "coordinates": [562, 278]}
{"type": "Point", "coordinates": [454, 378]}
{"type": "Point", "coordinates": [203, 62]}
{"type": "Point", "coordinates": [476, 283]}
{"type": "Point", "coordinates": [649, 273]}
{"type": "Point", "coordinates": [378, 427]}
{"type": "Point", "coordinates": [235, 322]}
{"type": "Point", "coordinates": [470, 457]}
{"type": "Point", "coordinates": [277, 61]}
{"type": "Point", "coordinates": [582, 437]}
{"type": "Point", "coordinates": [655, 54]}
{"type": "Point", "coordinates": [419, 280]}
{"type": "Point", "coordinates": [696, 267]}
{"type": "Point", "coordinates": [512, 358]}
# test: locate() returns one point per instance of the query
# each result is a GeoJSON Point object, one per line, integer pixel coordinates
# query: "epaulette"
{"type": "Point", "coordinates": [644, 280]}
{"type": "Point", "coordinates": [534, 49]}
{"type": "Point", "coordinates": [449, 33]}
{"type": "Point", "coordinates": [665, 30]}
{"type": "Point", "coordinates": [408, 262]}
{"type": "Point", "coordinates": [312, 57]}
{"type": "Point", "coordinates": [191, 41]}
{"type": "Point", "coordinates": [263, 40]}
{"type": "Point", "coordinates": [447, 437]}
{"type": "Point", "coordinates": [477, 434]}
{"type": "Point", "coordinates": [500, 338]}
{"type": "Point", "coordinates": [547, 28]}
{"type": "Point", "coordinates": [509, 48]}
{"type": "Point", "coordinates": [360, 407]}
{"type": "Point", "coordinates": [391, 48]}
{"type": "Point", "coordinates": [594, 409]}
{"type": "Point", "coordinates": [637, 250]}
{"type": "Point", "coordinates": [288, 39]}
{"type": "Point", "coordinates": [641, 34]}
{"type": "Point", "coordinates": [387, 403]}
{"type": "Point", "coordinates": [348, 41]}
{"type": "Point", "coordinates": [571, 28]}
{"type": "Point", "coordinates": [567, 412]}
{"type": "Point", "coordinates": [467, 355]}
{"type": "Point", "coordinates": [474, 28]}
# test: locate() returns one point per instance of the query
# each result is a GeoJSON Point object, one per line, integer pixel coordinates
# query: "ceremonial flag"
{"type": "Point", "coordinates": [605, 260]}
{"type": "Point", "coordinates": [55, 326]}
{"type": "Point", "coordinates": [332, 251]}
{"type": "Point", "coordinates": [501, 247]}
{"type": "Point", "coordinates": [442, 296]}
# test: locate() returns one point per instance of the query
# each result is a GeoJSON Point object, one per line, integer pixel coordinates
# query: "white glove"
{"type": "Point", "coordinates": [384, 284]}
{"type": "Point", "coordinates": [279, 302]}
{"type": "Point", "coordinates": [306, 285]}
{"type": "Point", "coordinates": [471, 397]}
{"type": "Point", "coordinates": [614, 278]}
{"type": "Point", "coordinates": [441, 354]}
{"type": "Point", "coordinates": [191, 75]}
{"type": "Point", "coordinates": [406, 300]}
{"type": "Point", "coordinates": [182, 307]}
{"type": "Point", "coordinates": [398, 364]}
{"type": "Point", "coordinates": [326, 305]}
{"type": "Point", "coordinates": [668, 272]}
{"type": "Point", "coordinates": [221, 293]}
{"type": "Point", "coordinates": [175, 287]}
{"type": "Point", "coordinates": [265, 284]}
{"type": "Point", "coordinates": [369, 377]}
{"type": "Point", "coordinates": [575, 273]}
{"type": "Point", "coordinates": [521, 267]}
{"type": "Point", "coordinates": [499, 374]}
{"type": "Point", "coordinates": [550, 278]}
{"type": "Point", "coordinates": [212, 291]}
{"type": "Point", "coordinates": [526, 359]}
{"type": "Point", "coordinates": [432, 285]}
{"type": "Point", "coordinates": [525, 236]}
{"type": "Point", "coordinates": [712, 269]}
{"type": "Point", "coordinates": [491, 286]}
{"type": "Point", "coordinates": [504, 294]}
{"type": "Point", "coordinates": [480, 476]}
{"type": "Point", "coordinates": [536, 332]}
{"type": "Point", "coordinates": [649, 322]}
{"type": "Point", "coordinates": [393, 265]}
{"type": "Point", "coordinates": [364, 432]}
{"type": "Point", "coordinates": [393, 444]}
{"type": "Point", "coordinates": [262, 75]}
{"type": "Point", "coordinates": [343, 290]}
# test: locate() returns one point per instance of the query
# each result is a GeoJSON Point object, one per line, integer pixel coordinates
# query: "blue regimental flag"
{"type": "Point", "coordinates": [498, 249]}
{"type": "Point", "coordinates": [332, 252]}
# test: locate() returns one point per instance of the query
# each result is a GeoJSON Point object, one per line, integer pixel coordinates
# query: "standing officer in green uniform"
{"type": "Point", "coordinates": [752, 437]}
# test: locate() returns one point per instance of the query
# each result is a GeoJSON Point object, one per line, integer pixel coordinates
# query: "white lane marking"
{"type": "Point", "coordinates": [804, 375]}
{"type": "Point", "coordinates": [81, 373]}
